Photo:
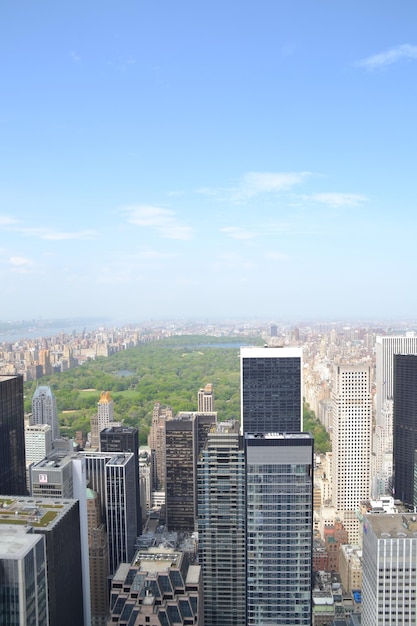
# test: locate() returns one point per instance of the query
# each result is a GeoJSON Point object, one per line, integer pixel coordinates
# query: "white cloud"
{"type": "Point", "coordinates": [265, 182]}
{"type": "Point", "coordinates": [337, 199]}
{"type": "Point", "coordinates": [162, 221]}
{"type": "Point", "coordinates": [6, 220]}
{"type": "Point", "coordinates": [238, 233]}
{"type": "Point", "coordinates": [20, 264]}
{"type": "Point", "coordinates": [388, 57]}
{"type": "Point", "coordinates": [254, 183]}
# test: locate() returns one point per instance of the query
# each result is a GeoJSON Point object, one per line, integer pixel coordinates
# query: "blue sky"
{"type": "Point", "coordinates": [208, 159]}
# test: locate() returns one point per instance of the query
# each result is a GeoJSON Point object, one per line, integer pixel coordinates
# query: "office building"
{"type": "Point", "coordinates": [44, 409]}
{"type": "Point", "coordinates": [23, 580]}
{"type": "Point", "coordinates": [156, 442]}
{"type": "Point", "coordinates": [38, 442]}
{"type": "Point", "coordinates": [124, 439]}
{"type": "Point", "coordinates": [12, 436]}
{"type": "Point", "coordinates": [186, 435]}
{"type": "Point", "coordinates": [385, 348]}
{"type": "Point", "coordinates": [271, 390]}
{"type": "Point", "coordinates": [389, 577]}
{"type": "Point", "coordinates": [159, 588]}
{"type": "Point", "coordinates": [206, 399]}
{"type": "Point", "coordinates": [63, 476]}
{"type": "Point", "coordinates": [351, 443]}
{"type": "Point", "coordinates": [405, 428]}
{"type": "Point", "coordinates": [112, 475]}
{"type": "Point", "coordinates": [98, 552]}
{"type": "Point", "coordinates": [103, 419]}
{"type": "Point", "coordinates": [221, 526]}
{"type": "Point", "coordinates": [279, 522]}
{"type": "Point", "coordinates": [58, 522]}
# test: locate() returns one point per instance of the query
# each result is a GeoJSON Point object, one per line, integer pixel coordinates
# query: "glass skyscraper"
{"type": "Point", "coordinates": [12, 437]}
{"type": "Point", "coordinates": [271, 390]}
{"type": "Point", "coordinates": [221, 525]}
{"type": "Point", "coordinates": [279, 510]}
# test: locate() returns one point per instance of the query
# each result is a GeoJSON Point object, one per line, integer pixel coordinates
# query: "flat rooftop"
{"type": "Point", "coordinates": [15, 542]}
{"type": "Point", "coordinates": [40, 513]}
{"type": "Point", "coordinates": [278, 436]}
{"type": "Point", "coordinates": [157, 559]}
{"type": "Point", "coordinates": [395, 526]}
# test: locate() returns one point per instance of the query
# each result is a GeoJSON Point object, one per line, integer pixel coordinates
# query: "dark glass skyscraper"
{"type": "Point", "coordinates": [271, 390]}
{"type": "Point", "coordinates": [12, 437]}
{"type": "Point", "coordinates": [124, 439]}
{"type": "Point", "coordinates": [405, 427]}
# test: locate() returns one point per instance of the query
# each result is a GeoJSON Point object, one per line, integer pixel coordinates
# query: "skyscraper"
{"type": "Point", "coordinates": [44, 409]}
{"type": "Point", "coordinates": [125, 439]}
{"type": "Point", "coordinates": [221, 526]}
{"type": "Point", "coordinates": [405, 428]}
{"type": "Point", "coordinates": [385, 348]}
{"type": "Point", "coordinates": [103, 419]}
{"type": "Point", "coordinates": [206, 399]}
{"type": "Point", "coordinates": [271, 390]}
{"type": "Point", "coordinates": [12, 436]}
{"type": "Point", "coordinates": [156, 442]}
{"type": "Point", "coordinates": [98, 552]}
{"type": "Point", "coordinates": [159, 588]}
{"type": "Point", "coordinates": [351, 442]}
{"type": "Point", "coordinates": [186, 435]}
{"type": "Point", "coordinates": [58, 522]}
{"type": "Point", "coordinates": [389, 580]}
{"type": "Point", "coordinates": [112, 475]}
{"type": "Point", "coordinates": [23, 580]}
{"type": "Point", "coordinates": [279, 519]}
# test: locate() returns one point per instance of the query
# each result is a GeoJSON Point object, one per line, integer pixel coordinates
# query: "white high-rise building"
{"type": "Point", "coordinates": [386, 347]}
{"type": "Point", "coordinates": [389, 579]}
{"type": "Point", "coordinates": [38, 444]}
{"type": "Point", "coordinates": [44, 409]}
{"type": "Point", "coordinates": [206, 399]}
{"type": "Point", "coordinates": [351, 442]}
{"type": "Point", "coordinates": [279, 522]}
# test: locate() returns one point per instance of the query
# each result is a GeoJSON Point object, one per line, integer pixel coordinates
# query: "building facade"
{"type": "Point", "coordinates": [113, 476]}
{"type": "Point", "coordinates": [221, 526]}
{"type": "Point", "coordinates": [44, 409]}
{"type": "Point", "coordinates": [98, 552]}
{"type": "Point", "coordinates": [58, 523]}
{"type": "Point", "coordinates": [351, 443]}
{"type": "Point", "coordinates": [405, 428]}
{"type": "Point", "coordinates": [156, 443]}
{"type": "Point", "coordinates": [271, 390]}
{"type": "Point", "coordinates": [23, 579]}
{"type": "Point", "coordinates": [159, 588]}
{"type": "Point", "coordinates": [279, 522]}
{"type": "Point", "coordinates": [12, 436]}
{"type": "Point", "coordinates": [389, 577]}
{"type": "Point", "coordinates": [186, 435]}
{"type": "Point", "coordinates": [125, 439]}
{"type": "Point", "coordinates": [206, 399]}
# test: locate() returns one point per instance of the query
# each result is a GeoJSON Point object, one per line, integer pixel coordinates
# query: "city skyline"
{"type": "Point", "coordinates": [148, 148]}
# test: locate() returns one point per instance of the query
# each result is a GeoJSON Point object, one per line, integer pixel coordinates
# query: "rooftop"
{"type": "Point", "coordinates": [36, 512]}
{"type": "Point", "coordinates": [395, 526]}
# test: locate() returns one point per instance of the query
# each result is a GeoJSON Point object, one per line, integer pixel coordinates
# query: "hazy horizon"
{"type": "Point", "coordinates": [223, 160]}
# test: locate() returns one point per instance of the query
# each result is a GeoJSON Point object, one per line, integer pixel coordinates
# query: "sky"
{"type": "Point", "coordinates": [174, 158]}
